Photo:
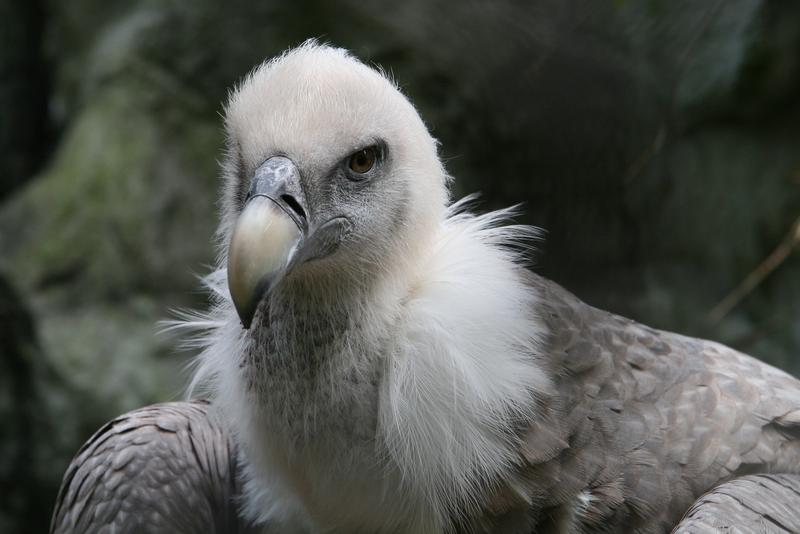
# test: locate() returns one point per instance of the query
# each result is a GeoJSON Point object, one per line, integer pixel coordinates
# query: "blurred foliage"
{"type": "Point", "coordinates": [655, 141]}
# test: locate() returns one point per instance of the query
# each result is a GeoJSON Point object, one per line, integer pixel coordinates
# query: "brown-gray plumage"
{"type": "Point", "coordinates": [646, 422]}
{"type": "Point", "coordinates": [754, 503]}
{"type": "Point", "coordinates": [165, 468]}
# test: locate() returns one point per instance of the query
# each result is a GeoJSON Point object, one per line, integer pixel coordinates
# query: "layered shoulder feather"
{"type": "Point", "coordinates": [645, 422]}
{"type": "Point", "coordinates": [165, 468]}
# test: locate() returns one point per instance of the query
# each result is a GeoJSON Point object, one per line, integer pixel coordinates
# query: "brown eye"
{"type": "Point", "coordinates": [362, 161]}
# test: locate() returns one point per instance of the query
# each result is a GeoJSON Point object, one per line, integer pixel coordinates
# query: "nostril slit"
{"type": "Point", "coordinates": [294, 204]}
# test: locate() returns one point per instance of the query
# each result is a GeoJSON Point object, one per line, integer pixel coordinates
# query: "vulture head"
{"type": "Point", "coordinates": [372, 346]}
{"type": "Point", "coordinates": [332, 179]}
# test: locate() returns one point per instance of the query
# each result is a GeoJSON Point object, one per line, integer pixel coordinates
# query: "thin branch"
{"type": "Point", "coordinates": [649, 152]}
{"type": "Point", "coordinates": [751, 281]}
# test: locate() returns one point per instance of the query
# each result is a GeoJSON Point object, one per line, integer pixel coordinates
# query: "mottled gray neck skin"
{"type": "Point", "coordinates": [315, 361]}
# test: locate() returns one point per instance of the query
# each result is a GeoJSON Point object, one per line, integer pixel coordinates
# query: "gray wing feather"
{"type": "Point", "coordinates": [645, 422]}
{"type": "Point", "coordinates": [165, 468]}
{"type": "Point", "coordinates": [765, 503]}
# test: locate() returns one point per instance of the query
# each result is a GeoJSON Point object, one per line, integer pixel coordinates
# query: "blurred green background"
{"type": "Point", "coordinates": [655, 141]}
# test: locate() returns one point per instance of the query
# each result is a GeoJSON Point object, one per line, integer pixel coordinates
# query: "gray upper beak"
{"type": "Point", "coordinates": [268, 236]}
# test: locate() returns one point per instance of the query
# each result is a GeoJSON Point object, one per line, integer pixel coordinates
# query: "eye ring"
{"type": "Point", "coordinates": [363, 161]}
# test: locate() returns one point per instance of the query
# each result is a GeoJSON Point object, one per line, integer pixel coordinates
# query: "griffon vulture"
{"type": "Point", "coordinates": [379, 360]}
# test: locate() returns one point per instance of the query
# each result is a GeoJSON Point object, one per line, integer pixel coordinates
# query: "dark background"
{"type": "Point", "coordinates": [655, 141]}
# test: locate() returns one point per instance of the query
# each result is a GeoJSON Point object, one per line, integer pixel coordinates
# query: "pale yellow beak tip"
{"type": "Point", "coordinates": [263, 244]}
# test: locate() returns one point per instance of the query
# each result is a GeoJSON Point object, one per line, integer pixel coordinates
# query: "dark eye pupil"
{"type": "Point", "coordinates": [362, 161]}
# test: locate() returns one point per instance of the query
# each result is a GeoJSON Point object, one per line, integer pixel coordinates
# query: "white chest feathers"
{"type": "Point", "coordinates": [457, 370]}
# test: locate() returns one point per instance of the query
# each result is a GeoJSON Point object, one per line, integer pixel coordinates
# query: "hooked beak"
{"type": "Point", "coordinates": [268, 235]}
{"type": "Point", "coordinates": [272, 235]}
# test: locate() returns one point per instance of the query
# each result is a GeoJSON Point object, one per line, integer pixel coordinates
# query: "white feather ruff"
{"type": "Point", "coordinates": [463, 368]}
